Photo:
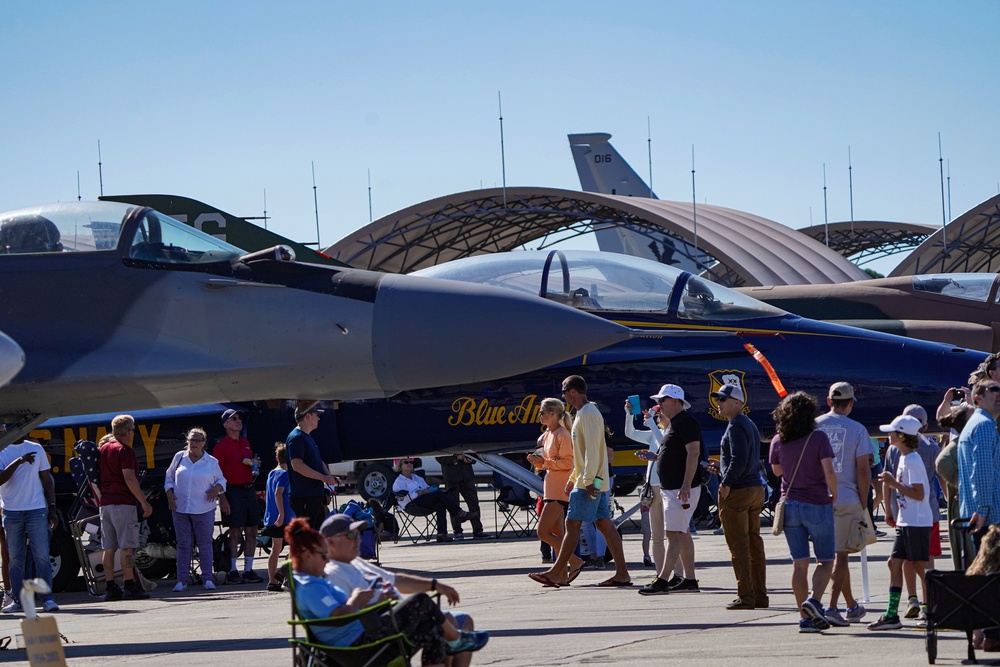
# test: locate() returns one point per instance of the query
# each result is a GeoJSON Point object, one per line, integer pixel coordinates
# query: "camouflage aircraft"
{"type": "Point", "coordinates": [120, 307]}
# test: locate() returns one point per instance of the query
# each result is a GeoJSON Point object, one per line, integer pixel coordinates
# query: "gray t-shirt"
{"type": "Point", "coordinates": [849, 440]}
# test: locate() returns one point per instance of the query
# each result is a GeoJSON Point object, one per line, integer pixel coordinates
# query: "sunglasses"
{"type": "Point", "coordinates": [351, 534]}
{"type": "Point", "coordinates": [196, 439]}
{"type": "Point", "coordinates": [993, 390]}
{"type": "Point", "coordinates": [320, 553]}
{"type": "Point", "coordinates": [406, 462]}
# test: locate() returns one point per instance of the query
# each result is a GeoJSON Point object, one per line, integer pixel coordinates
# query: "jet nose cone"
{"type": "Point", "coordinates": [11, 359]}
{"type": "Point", "coordinates": [431, 333]}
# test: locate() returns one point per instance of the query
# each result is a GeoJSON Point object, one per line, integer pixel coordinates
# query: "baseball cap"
{"type": "Point", "coordinates": [671, 391]}
{"type": "Point", "coordinates": [336, 524]}
{"type": "Point", "coordinates": [841, 391]}
{"type": "Point", "coordinates": [302, 408]}
{"type": "Point", "coordinates": [228, 414]}
{"type": "Point", "coordinates": [904, 424]}
{"type": "Point", "coordinates": [917, 411]}
{"type": "Point", "coordinates": [730, 391]}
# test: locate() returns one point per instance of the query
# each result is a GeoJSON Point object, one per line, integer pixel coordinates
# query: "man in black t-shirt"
{"type": "Point", "coordinates": [307, 473]}
{"type": "Point", "coordinates": [677, 464]}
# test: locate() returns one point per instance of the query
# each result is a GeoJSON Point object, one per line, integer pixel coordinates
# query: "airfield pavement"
{"type": "Point", "coordinates": [528, 624]}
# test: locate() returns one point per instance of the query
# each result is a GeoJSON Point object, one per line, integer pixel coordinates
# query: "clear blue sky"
{"type": "Point", "coordinates": [218, 101]}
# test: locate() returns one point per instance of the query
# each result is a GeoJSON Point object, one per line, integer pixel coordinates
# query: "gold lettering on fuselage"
{"type": "Point", "coordinates": [148, 436]}
{"type": "Point", "coordinates": [468, 411]}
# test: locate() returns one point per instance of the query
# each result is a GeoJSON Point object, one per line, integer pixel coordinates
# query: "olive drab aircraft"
{"type": "Point", "coordinates": [153, 313]}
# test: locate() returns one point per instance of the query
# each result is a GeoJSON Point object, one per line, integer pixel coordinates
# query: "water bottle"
{"type": "Point", "coordinates": [255, 466]}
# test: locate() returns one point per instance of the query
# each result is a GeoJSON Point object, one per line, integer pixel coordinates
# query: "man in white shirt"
{"type": "Point", "coordinates": [28, 499]}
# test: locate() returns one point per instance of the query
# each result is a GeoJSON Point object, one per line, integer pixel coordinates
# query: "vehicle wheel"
{"type": "Point", "coordinates": [155, 568]}
{"type": "Point", "coordinates": [65, 562]}
{"type": "Point", "coordinates": [931, 641]}
{"type": "Point", "coordinates": [375, 481]}
{"type": "Point", "coordinates": [625, 488]}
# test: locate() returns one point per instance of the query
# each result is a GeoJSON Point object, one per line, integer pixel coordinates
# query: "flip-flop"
{"type": "Point", "coordinates": [611, 583]}
{"type": "Point", "coordinates": [574, 574]}
{"type": "Point", "coordinates": [543, 579]}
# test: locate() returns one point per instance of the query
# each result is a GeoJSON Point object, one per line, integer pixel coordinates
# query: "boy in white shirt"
{"type": "Point", "coordinates": [913, 525]}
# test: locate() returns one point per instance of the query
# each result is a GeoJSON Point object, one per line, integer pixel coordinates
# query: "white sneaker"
{"type": "Point", "coordinates": [50, 606]}
{"type": "Point", "coordinates": [180, 587]}
{"type": "Point", "coordinates": [14, 607]}
{"type": "Point", "coordinates": [209, 585]}
{"type": "Point", "coordinates": [6, 599]}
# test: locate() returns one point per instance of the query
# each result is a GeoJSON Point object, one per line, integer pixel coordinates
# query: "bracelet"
{"type": "Point", "coordinates": [434, 584]}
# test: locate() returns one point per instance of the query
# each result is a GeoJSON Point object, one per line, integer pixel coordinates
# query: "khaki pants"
{"type": "Point", "coordinates": [740, 516]}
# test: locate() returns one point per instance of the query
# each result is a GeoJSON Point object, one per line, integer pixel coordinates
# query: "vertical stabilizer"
{"type": "Point", "coordinates": [602, 169]}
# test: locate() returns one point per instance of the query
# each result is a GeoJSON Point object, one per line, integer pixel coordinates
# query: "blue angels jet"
{"type": "Point", "coordinates": [699, 335]}
{"type": "Point", "coordinates": [119, 307]}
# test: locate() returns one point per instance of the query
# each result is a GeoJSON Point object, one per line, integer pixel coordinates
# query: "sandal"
{"type": "Point", "coordinates": [543, 579]}
{"type": "Point", "coordinates": [574, 574]}
{"type": "Point", "coordinates": [611, 583]}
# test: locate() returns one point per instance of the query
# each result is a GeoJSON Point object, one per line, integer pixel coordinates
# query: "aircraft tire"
{"type": "Point", "coordinates": [375, 481]}
{"type": "Point", "coordinates": [155, 568]}
{"type": "Point", "coordinates": [65, 562]}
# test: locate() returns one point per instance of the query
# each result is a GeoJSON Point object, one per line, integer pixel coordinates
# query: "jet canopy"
{"type": "Point", "coordinates": [602, 281]}
{"type": "Point", "coordinates": [134, 231]}
{"type": "Point", "coordinates": [970, 286]}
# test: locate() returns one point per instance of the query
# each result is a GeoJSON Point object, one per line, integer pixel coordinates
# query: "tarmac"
{"type": "Point", "coordinates": [528, 624]}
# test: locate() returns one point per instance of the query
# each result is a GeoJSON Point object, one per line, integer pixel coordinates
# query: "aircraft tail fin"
{"type": "Point", "coordinates": [602, 169]}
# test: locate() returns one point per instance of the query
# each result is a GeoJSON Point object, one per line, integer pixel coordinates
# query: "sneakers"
{"type": "Point", "coordinates": [274, 587]}
{"type": "Point", "coordinates": [686, 586]}
{"type": "Point", "coordinates": [739, 604]}
{"type": "Point", "coordinates": [833, 617]}
{"type": "Point", "coordinates": [468, 641]}
{"type": "Point", "coordinates": [879, 533]}
{"type": "Point", "coordinates": [807, 625]}
{"type": "Point", "coordinates": [180, 587]}
{"type": "Point", "coordinates": [886, 623]}
{"type": "Point", "coordinates": [5, 599]}
{"type": "Point", "coordinates": [50, 606]}
{"type": "Point", "coordinates": [481, 535]}
{"type": "Point", "coordinates": [113, 592]}
{"type": "Point", "coordinates": [458, 535]}
{"type": "Point", "coordinates": [547, 561]}
{"type": "Point", "coordinates": [647, 561]}
{"type": "Point", "coordinates": [133, 591]}
{"type": "Point", "coordinates": [912, 607]}
{"type": "Point", "coordinates": [251, 577]}
{"type": "Point", "coordinates": [719, 531]}
{"type": "Point", "coordinates": [855, 614]}
{"type": "Point", "coordinates": [234, 578]}
{"type": "Point", "coordinates": [813, 609]}
{"type": "Point", "coordinates": [13, 607]}
{"type": "Point", "coordinates": [656, 587]}
{"type": "Point", "coordinates": [922, 617]}
{"type": "Point", "coordinates": [209, 585]}
{"type": "Point", "coordinates": [674, 580]}
{"type": "Point", "coordinates": [445, 537]}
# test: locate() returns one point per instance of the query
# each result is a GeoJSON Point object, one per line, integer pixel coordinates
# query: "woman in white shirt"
{"type": "Point", "coordinates": [193, 484]}
{"type": "Point", "coordinates": [412, 490]}
{"type": "Point", "coordinates": [657, 425]}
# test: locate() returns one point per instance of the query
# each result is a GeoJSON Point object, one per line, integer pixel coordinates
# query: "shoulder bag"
{"type": "Point", "coordinates": [778, 525]}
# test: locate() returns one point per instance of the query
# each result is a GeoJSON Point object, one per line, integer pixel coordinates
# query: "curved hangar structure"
{"type": "Point", "coordinates": [747, 249]}
{"type": "Point", "coordinates": [968, 244]}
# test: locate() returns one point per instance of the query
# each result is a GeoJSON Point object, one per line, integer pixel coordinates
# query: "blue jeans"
{"type": "Point", "coordinates": [805, 521]}
{"type": "Point", "coordinates": [21, 528]}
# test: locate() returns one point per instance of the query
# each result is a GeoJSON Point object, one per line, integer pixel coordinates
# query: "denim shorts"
{"type": "Point", "coordinates": [805, 521]}
{"type": "Point", "coordinates": [582, 508]}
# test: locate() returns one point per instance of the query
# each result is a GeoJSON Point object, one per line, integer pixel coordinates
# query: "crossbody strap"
{"type": "Point", "coordinates": [795, 472]}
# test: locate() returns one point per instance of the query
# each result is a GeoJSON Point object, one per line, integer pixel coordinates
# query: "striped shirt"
{"type": "Point", "coordinates": [979, 468]}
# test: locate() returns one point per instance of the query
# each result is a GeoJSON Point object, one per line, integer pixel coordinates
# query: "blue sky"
{"type": "Point", "coordinates": [218, 101]}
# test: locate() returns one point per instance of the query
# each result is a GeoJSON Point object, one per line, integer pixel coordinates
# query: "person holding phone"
{"type": "Point", "coordinates": [652, 515]}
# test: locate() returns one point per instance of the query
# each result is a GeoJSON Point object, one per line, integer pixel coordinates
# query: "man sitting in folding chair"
{"type": "Point", "coordinates": [411, 489]}
{"type": "Point", "coordinates": [347, 570]}
{"type": "Point", "coordinates": [418, 619]}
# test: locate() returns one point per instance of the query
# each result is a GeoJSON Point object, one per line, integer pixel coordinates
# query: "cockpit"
{"type": "Point", "coordinates": [969, 286]}
{"type": "Point", "coordinates": [138, 233]}
{"type": "Point", "coordinates": [601, 281]}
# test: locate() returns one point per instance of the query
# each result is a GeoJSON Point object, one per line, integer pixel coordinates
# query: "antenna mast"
{"type": "Point", "coordinates": [850, 187]}
{"type": "Point", "coordinates": [826, 216]}
{"type": "Point", "coordinates": [649, 151]}
{"type": "Point", "coordinates": [949, 188]}
{"type": "Point", "coordinates": [503, 161]}
{"type": "Point", "coordinates": [944, 218]}
{"type": "Point", "coordinates": [694, 212]}
{"type": "Point", "coordinates": [315, 204]}
{"type": "Point", "coordinates": [265, 208]}
{"type": "Point", "coordinates": [100, 171]}
{"type": "Point", "coordinates": [370, 194]}
{"type": "Point", "coordinates": [78, 197]}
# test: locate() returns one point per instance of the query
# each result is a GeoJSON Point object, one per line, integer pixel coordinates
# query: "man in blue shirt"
{"type": "Point", "coordinates": [307, 473]}
{"type": "Point", "coordinates": [979, 459]}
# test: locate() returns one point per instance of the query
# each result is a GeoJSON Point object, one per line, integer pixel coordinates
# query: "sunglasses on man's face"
{"type": "Point", "coordinates": [351, 534]}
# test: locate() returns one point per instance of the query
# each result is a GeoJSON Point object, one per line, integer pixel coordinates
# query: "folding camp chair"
{"type": "Point", "coordinates": [415, 523]}
{"type": "Point", "coordinates": [393, 650]}
{"type": "Point", "coordinates": [514, 502]}
{"type": "Point", "coordinates": [959, 601]}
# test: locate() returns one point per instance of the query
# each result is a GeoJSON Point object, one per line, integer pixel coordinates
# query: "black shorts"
{"type": "Point", "coordinates": [553, 500]}
{"type": "Point", "coordinates": [274, 532]}
{"type": "Point", "coordinates": [244, 510]}
{"type": "Point", "coordinates": [912, 543]}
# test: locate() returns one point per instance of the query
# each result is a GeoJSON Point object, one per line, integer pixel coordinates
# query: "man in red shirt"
{"type": "Point", "coordinates": [120, 491]}
{"type": "Point", "coordinates": [240, 510]}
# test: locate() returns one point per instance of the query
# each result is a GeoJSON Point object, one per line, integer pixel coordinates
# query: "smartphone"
{"type": "Point", "coordinates": [636, 406]}
{"type": "Point", "coordinates": [646, 455]}
{"type": "Point", "coordinates": [376, 582]}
